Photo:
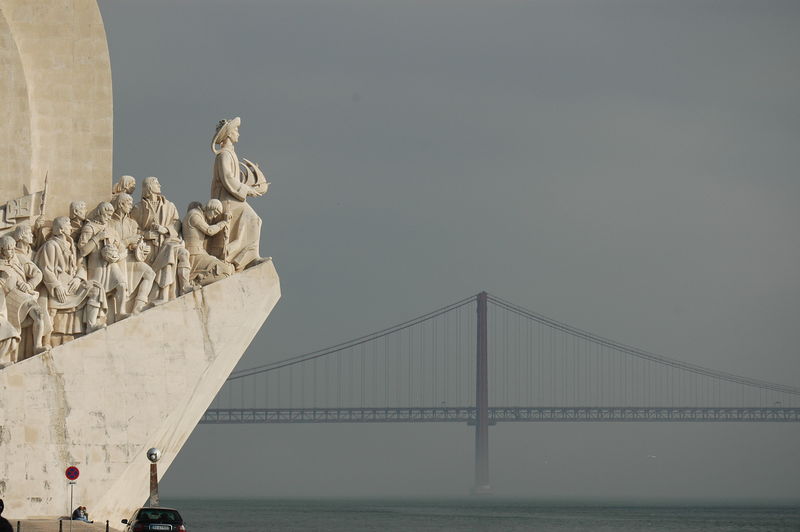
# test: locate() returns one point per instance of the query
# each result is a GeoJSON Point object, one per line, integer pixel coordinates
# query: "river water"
{"type": "Point", "coordinates": [473, 514]}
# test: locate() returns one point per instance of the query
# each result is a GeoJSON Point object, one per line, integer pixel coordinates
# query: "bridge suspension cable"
{"type": "Point", "coordinates": [534, 361]}
{"type": "Point", "coordinates": [484, 360]}
{"type": "Point", "coordinates": [349, 344]}
{"type": "Point", "coordinates": [639, 353]}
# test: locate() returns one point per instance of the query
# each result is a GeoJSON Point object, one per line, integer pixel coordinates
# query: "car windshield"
{"type": "Point", "coordinates": [155, 515]}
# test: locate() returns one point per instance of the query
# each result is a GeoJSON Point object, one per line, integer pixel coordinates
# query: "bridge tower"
{"type": "Point", "coordinates": [482, 399]}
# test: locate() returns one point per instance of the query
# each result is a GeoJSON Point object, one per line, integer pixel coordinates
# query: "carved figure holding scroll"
{"type": "Point", "coordinates": [160, 224]}
{"type": "Point", "coordinates": [133, 251]}
{"type": "Point", "coordinates": [232, 183]}
{"type": "Point", "coordinates": [22, 302]}
{"type": "Point", "coordinates": [69, 293]}
{"type": "Point", "coordinates": [199, 224]}
{"type": "Point", "coordinates": [99, 243]}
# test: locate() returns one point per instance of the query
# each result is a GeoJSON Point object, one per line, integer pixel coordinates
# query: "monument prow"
{"type": "Point", "coordinates": [100, 401]}
{"type": "Point", "coordinates": [119, 319]}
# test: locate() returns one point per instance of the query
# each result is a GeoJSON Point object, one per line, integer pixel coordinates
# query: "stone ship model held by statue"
{"type": "Point", "coordinates": [119, 319]}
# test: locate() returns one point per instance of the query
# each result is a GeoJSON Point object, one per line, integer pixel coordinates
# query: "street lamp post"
{"type": "Point", "coordinates": [153, 455]}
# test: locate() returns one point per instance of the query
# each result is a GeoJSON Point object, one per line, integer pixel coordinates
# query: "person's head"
{"type": "Point", "coordinates": [123, 203]}
{"type": "Point", "coordinates": [2, 506]}
{"type": "Point", "coordinates": [60, 226]}
{"type": "Point", "coordinates": [77, 210]}
{"type": "Point", "coordinates": [23, 233]}
{"type": "Point", "coordinates": [150, 187]}
{"type": "Point", "coordinates": [103, 212]}
{"type": "Point", "coordinates": [233, 133]}
{"type": "Point", "coordinates": [212, 209]}
{"type": "Point", "coordinates": [7, 247]}
{"type": "Point", "coordinates": [227, 129]}
{"type": "Point", "coordinates": [126, 184]}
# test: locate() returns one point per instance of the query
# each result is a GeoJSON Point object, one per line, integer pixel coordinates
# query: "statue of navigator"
{"type": "Point", "coordinates": [232, 185]}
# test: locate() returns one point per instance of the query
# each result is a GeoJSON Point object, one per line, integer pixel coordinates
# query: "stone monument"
{"type": "Point", "coordinates": [118, 323]}
{"type": "Point", "coordinates": [233, 182]}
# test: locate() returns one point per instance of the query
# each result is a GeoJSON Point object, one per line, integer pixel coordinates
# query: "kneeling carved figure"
{"type": "Point", "coordinates": [200, 224]}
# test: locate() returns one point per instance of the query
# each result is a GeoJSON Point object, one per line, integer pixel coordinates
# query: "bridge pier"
{"type": "Point", "coordinates": [482, 485]}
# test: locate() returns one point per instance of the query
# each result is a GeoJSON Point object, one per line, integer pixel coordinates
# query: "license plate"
{"type": "Point", "coordinates": [160, 527]}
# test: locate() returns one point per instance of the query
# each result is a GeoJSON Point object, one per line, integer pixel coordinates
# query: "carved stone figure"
{"type": "Point", "coordinates": [199, 224]}
{"type": "Point", "coordinates": [99, 269]}
{"type": "Point", "coordinates": [23, 235]}
{"type": "Point", "coordinates": [41, 231]}
{"type": "Point", "coordinates": [161, 227]}
{"type": "Point", "coordinates": [65, 283]}
{"type": "Point", "coordinates": [232, 186]}
{"type": "Point", "coordinates": [21, 299]}
{"type": "Point", "coordinates": [9, 335]}
{"type": "Point", "coordinates": [77, 217]}
{"type": "Point", "coordinates": [99, 243]}
{"type": "Point", "coordinates": [133, 251]}
{"type": "Point", "coordinates": [126, 184]}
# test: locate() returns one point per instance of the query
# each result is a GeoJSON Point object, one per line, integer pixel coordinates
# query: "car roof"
{"type": "Point", "coordinates": [160, 508]}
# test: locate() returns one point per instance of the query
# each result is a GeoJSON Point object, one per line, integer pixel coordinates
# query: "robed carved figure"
{"type": "Point", "coordinates": [20, 276]}
{"type": "Point", "coordinates": [160, 225]}
{"type": "Point", "coordinates": [232, 183]}
{"type": "Point", "coordinates": [67, 291]}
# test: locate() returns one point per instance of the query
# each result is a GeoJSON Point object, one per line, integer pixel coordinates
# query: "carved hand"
{"type": "Point", "coordinates": [60, 293]}
{"type": "Point", "coordinates": [74, 284]}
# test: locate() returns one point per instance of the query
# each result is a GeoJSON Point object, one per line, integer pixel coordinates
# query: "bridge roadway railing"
{"type": "Point", "coordinates": [466, 414]}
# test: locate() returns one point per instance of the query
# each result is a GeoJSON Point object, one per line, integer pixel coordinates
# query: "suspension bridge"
{"type": "Point", "coordinates": [483, 360]}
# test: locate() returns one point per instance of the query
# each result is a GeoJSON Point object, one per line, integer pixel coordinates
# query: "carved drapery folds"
{"type": "Point", "coordinates": [63, 278]}
{"type": "Point", "coordinates": [232, 183]}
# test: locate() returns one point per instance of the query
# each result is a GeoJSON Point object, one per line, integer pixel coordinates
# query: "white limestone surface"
{"type": "Point", "coordinates": [100, 401]}
{"type": "Point", "coordinates": [55, 102]}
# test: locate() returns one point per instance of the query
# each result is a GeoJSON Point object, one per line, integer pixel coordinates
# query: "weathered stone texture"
{"type": "Point", "coordinates": [100, 401]}
{"type": "Point", "coordinates": [56, 101]}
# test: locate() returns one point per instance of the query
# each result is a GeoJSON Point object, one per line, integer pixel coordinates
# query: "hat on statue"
{"type": "Point", "coordinates": [224, 127]}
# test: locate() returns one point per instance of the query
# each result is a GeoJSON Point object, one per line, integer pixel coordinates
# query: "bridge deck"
{"type": "Point", "coordinates": [463, 414]}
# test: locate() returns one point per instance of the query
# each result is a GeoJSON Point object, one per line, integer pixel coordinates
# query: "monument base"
{"type": "Point", "coordinates": [100, 401]}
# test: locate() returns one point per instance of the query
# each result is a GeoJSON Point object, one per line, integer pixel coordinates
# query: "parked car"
{"type": "Point", "coordinates": [150, 519]}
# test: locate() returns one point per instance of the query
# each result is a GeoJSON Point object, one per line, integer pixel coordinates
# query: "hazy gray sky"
{"type": "Point", "coordinates": [628, 167]}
